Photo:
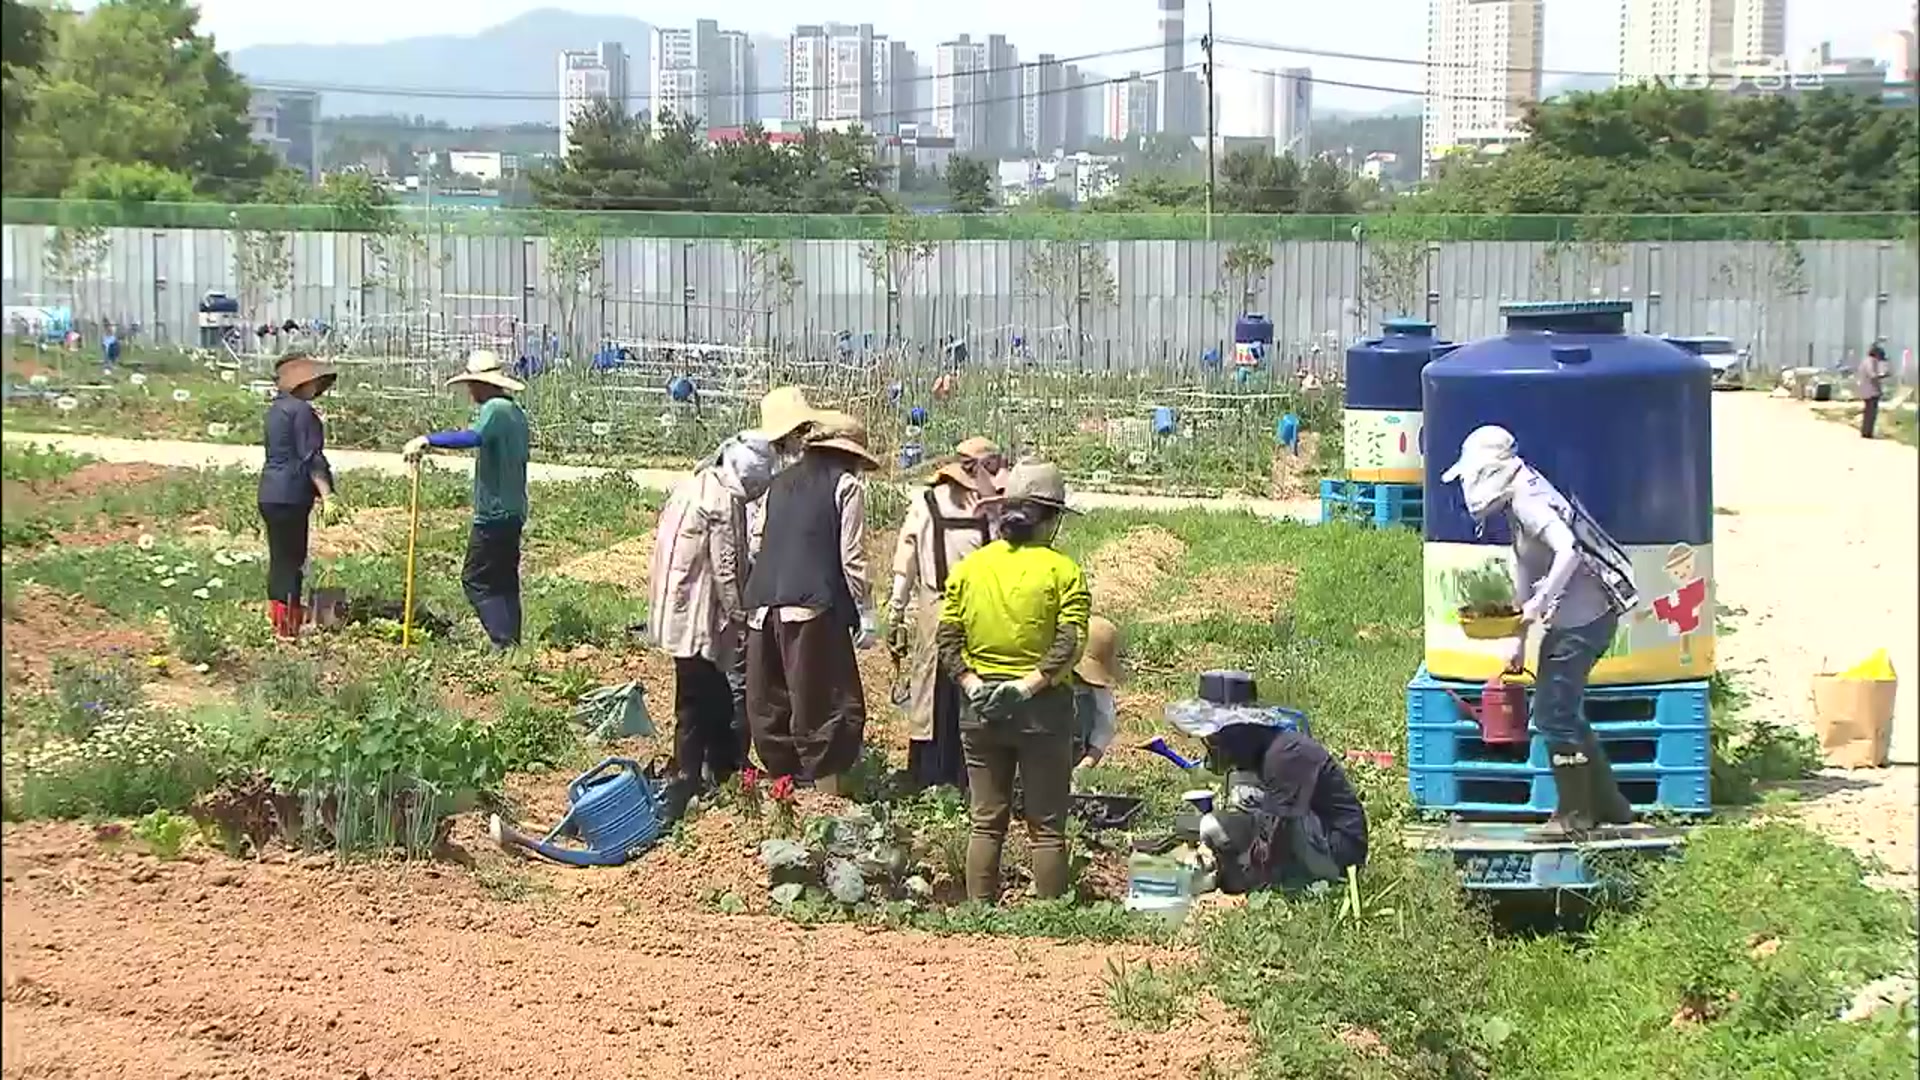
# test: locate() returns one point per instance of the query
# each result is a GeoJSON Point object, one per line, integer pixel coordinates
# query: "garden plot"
{"type": "Point", "coordinates": [425, 951]}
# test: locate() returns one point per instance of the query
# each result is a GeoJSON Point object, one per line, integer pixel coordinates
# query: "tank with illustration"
{"type": "Point", "coordinates": [1621, 422]}
{"type": "Point", "coordinates": [1381, 415]}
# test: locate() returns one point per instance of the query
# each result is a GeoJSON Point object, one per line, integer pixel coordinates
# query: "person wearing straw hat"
{"type": "Point", "coordinates": [809, 606]}
{"type": "Point", "coordinates": [695, 612]}
{"type": "Point", "coordinates": [491, 577]}
{"type": "Point", "coordinates": [1575, 583]}
{"type": "Point", "coordinates": [1012, 624]}
{"type": "Point", "coordinates": [944, 524]}
{"type": "Point", "coordinates": [295, 476]}
{"type": "Point", "coordinates": [1094, 676]}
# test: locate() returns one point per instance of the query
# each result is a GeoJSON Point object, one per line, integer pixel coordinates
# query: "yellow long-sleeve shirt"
{"type": "Point", "coordinates": [1011, 603]}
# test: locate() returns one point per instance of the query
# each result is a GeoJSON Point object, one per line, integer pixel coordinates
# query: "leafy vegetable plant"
{"type": "Point", "coordinates": [1485, 590]}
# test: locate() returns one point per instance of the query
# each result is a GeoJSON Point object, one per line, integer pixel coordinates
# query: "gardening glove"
{"type": "Point", "coordinates": [869, 633]}
{"type": "Point", "coordinates": [977, 691]}
{"type": "Point", "coordinates": [332, 510]}
{"type": "Point", "coordinates": [415, 449]}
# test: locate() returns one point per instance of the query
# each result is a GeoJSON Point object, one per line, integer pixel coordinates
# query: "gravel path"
{"type": "Point", "coordinates": [1815, 553]}
{"type": "Point", "coordinates": [198, 455]}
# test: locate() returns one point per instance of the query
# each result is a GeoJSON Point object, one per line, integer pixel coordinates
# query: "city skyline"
{"type": "Point", "coordinates": [1580, 35]}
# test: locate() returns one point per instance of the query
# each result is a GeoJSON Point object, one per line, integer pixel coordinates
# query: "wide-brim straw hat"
{"type": "Point", "coordinates": [839, 431]}
{"type": "Point", "coordinates": [1039, 482]}
{"type": "Point", "coordinates": [785, 410]}
{"type": "Point", "coordinates": [290, 373]}
{"type": "Point", "coordinates": [955, 468]}
{"type": "Point", "coordinates": [484, 366]}
{"type": "Point", "coordinates": [1099, 661]}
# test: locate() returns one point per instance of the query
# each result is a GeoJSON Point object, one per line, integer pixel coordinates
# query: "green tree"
{"type": "Point", "coordinates": [137, 182]}
{"type": "Point", "coordinates": [23, 49]}
{"type": "Point", "coordinates": [133, 81]}
{"type": "Point", "coordinates": [969, 185]}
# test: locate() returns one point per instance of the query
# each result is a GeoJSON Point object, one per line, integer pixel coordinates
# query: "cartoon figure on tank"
{"type": "Point", "coordinates": [1682, 610]}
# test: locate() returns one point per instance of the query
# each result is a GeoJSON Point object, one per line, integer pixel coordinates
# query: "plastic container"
{"type": "Point", "coordinates": [1381, 417]}
{"type": "Point", "coordinates": [1252, 340]}
{"type": "Point", "coordinates": [1159, 885]}
{"type": "Point", "coordinates": [1623, 423]}
{"type": "Point", "coordinates": [1228, 687]}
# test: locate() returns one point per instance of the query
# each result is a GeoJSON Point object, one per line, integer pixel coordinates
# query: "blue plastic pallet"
{"type": "Point", "coordinates": [1382, 505]}
{"type": "Point", "coordinates": [1505, 858]}
{"type": "Point", "coordinates": [1676, 706]}
{"type": "Point", "coordinates": [1496, 790]}
{"type": "Point", "coordinates": [1442, 746]}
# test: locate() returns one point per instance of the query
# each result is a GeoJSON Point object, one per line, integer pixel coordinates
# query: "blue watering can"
{"type": "Point", "coordinates": [612, 809]}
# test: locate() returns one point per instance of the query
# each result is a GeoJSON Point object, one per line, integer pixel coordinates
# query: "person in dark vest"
{"type": "Point", "coordinates": [695, 613]}
{"type": "Point", "coordinates": [944, 524]}
{"type": "Point", "coordinates": [294, 477]}
{"type": "Point", "coordinates": [810, 607]}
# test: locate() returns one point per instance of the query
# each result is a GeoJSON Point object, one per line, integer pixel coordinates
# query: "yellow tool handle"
{"type": "Point", "coordinates": [413, 539]}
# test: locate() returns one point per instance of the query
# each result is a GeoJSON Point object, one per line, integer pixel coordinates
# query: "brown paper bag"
{"type": "Point", "coordinates": [1854, 720]}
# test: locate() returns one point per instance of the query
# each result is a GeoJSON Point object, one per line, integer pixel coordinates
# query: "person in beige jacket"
{"type": "Point", "coordinates": [945, 523]}
{"type": "Point", "coordinates": [695, 609]}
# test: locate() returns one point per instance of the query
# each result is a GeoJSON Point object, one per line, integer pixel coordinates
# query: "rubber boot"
{"type": "Point", "coordinates": [674, 798]}
{"type": "Point", "coordinates": [1573, 794]}
{"type": "Point", "coordinates": [283, 627]}
{"type": "Point", "coordinates": [1610, 805]}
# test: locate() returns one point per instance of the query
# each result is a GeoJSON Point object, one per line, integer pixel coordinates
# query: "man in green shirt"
{"type": "Point", "coordinates": [491, 577]}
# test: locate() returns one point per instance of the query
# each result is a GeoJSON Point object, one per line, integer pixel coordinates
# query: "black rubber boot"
{"type": "Point", "coordinates": [1573, 813]}
{"type": "Point", "coordinates": [1610, 805]}
{"type": "Point", "coordinates": [675, 796]}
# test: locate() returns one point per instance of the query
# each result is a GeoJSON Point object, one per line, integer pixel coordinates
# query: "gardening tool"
{"type": "Point", "coordinates": [1160, 746]}
{"type": "Point", "coordinates": [413, 541]}
{"type": "Point", "coordinates": [612, 808]}
{"type": "Point", "coordinates": [902, 686]}
{"type": "Point", "coordinates": [1502, 712]}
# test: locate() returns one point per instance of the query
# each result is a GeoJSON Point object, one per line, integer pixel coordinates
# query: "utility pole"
{"type": "Point", "coordinates": [1206, 49]}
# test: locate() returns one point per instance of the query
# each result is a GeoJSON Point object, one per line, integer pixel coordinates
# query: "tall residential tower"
{"type": "Point", "coordinates": [1483, 68]}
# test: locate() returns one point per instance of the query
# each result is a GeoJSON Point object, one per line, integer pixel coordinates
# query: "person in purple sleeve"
{"type": "Point", "coordinates": [491, 577]}
{"type": "Point", "coordinates": [294, 477]}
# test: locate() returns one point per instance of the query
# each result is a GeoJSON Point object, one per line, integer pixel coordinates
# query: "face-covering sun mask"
{"type": "Point", "coordinates": [746, 466]}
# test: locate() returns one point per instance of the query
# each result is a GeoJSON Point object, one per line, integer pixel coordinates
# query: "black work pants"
{"type": "Point", "coordinates": [704, 733]}
{"type": "Point", "coordinates": [491, 579]}
{"type": "Point", "coordinates": [1869, 415]}
{"type": "Point", "coordinates": [287, 527]}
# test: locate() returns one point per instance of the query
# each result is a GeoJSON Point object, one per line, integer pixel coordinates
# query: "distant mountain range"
{"type": "Point", "coordinates": [520, 57]}
{"type": "Point", "coordinates": [517, 57]}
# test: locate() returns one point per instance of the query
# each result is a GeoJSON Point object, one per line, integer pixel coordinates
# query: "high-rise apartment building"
{"type": "Point", "coordinates": [804, 72]}
{"type": "Point", "coordinates": [734, 87]}
{"type": "Point", "coordinates": [1688, 42]}
{"type": "Point", "coordinates": [960, 94]}
{"type": "Point", "coordinates": [1132, 107]}
{"type": "Point", "coordinates": [703, 72]}
{"type": "Point", "coordinates": [829, 72]}
{"type": "Point", "coordinates": [1175, 112]}
{"type": "Point", "coordinates": [1043, 105]}
{"type": "Point", "coordinates": [1293, 111]}
{"type": "Point", "coordinates": [1483, 68]}
{"type": "Point", "coordinates": [1074, 114]}
{"type": "Point", "coordinates": [1243, 104]}
{"type": "Point", "coordinates": [1001, 63]}
{"type": "Point", "coordinates": [588, 75]}
{"type": "Point", "coordinates": [895, 84]}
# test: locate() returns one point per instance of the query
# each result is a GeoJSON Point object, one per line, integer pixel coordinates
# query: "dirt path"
{"type": "Point", "coordinates": [1815, 550]}
{"type": "Point", "coordinates": [197, 455]}
{"type": "Point", "coordinates": [116, 966]}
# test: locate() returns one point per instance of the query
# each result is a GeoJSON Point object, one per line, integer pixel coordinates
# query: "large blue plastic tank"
{"type": "Point", "coordinates": [1624, 423]}
{"type": "Point", "coordinates": [1381, 420]}
{"type": "Point", "coordinates": [1252, 340]}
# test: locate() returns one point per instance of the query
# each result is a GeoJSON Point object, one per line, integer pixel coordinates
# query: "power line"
{"type": "Point", "coordinates": [1395, 90]}
{"type": "Point", "coordinates": [1407, 61]}
{"type": "Point", "coordinates": [541, 95]}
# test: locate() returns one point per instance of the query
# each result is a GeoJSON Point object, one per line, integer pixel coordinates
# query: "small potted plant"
{"type": "Point", "coordinates": [1487, 611]}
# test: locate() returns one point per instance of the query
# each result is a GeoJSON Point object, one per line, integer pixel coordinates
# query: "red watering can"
{"type": "Point", "coordinates": [1502, 713]}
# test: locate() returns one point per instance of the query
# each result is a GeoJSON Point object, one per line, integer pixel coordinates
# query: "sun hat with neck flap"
{"type": "Point", "coordinates": [956, 467]}
{"type": "Point", "coordinates": [295, 370]}
{"type": "Point", "coordinates": [1039, 482]}
{"type": "Point", "coordinates": [484, 366]}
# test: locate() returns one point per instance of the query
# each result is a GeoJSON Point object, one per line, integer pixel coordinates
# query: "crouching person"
{"type": "Point", "coordinates": [1303, 824]}
{"type": "Point", "coordinates": [696, 613]}
{"type": "Point", "coordinates": [1012, 624]}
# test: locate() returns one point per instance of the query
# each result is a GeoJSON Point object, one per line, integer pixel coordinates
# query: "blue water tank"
{"type": "Point", "coordinates": [1621, 422]}
{"type": "Point", "coordinates": [1381, 419]}
{"type": "Point", "coordinates": [1252, 340]}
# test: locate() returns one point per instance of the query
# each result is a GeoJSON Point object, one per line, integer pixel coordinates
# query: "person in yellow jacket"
{"type": "Point", "coordinates": [1012, 625]}
{"type": "Point", "coordinates": [945, 523]}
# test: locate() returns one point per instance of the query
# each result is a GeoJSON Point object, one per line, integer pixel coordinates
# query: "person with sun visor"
{"type": "Point", "coordinates": [1012, 625]}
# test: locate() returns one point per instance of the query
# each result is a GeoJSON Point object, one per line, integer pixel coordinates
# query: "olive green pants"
{"type": "Point", "coordinates": [1036, 746]}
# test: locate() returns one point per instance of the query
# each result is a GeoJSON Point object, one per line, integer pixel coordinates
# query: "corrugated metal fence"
{"type": "Point", "coordinates": [1109, 304]}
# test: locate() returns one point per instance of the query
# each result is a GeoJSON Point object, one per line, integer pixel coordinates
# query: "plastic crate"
{"type": "Point", "coordinates": [1498, 790]}
{"type": "Point", "coordinates": [1382, 505]}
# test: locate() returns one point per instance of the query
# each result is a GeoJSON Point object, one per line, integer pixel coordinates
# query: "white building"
{"type": "Point", "coordinates": [483, 165]}
{"type": "Point", "coordinates": [1243, 103]}
{"type": "Point", "coordinates": [1899, 50]}
{"type": "Point", "coordinates": [804, 73]}
{"type": "Point", "coordinates": [703, 72]}
{"type": "Point", "coordinates": [830, 73]}
{"type": "Point", "coordinates": [588, 75]}
{"type": "Point", "coordinates": [288, 123]}
{"type": "Point", "coordinates": [1132, 107]}
{"type": "Point", "coordinates": [1483, 68]}
{"type": "Point", "coordinates": [1293, 112]}
{"type": "Point", "coordinates": [960, 94]}
{"type": "Point", "coordinates": [1684, 42]}
{"type": "Point", "coordinates": [895, 84]}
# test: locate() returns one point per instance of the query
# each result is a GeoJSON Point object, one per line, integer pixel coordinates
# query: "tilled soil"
{"type": "Point", "coordinates": [117, 966]}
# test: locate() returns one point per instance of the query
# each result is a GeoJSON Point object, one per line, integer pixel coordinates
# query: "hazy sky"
{"type": "Point", "coordinates": [1581, 34]}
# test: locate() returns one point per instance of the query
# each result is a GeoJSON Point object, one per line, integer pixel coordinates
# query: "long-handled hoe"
{"type": "Point", "coordinates": [413, 540]}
